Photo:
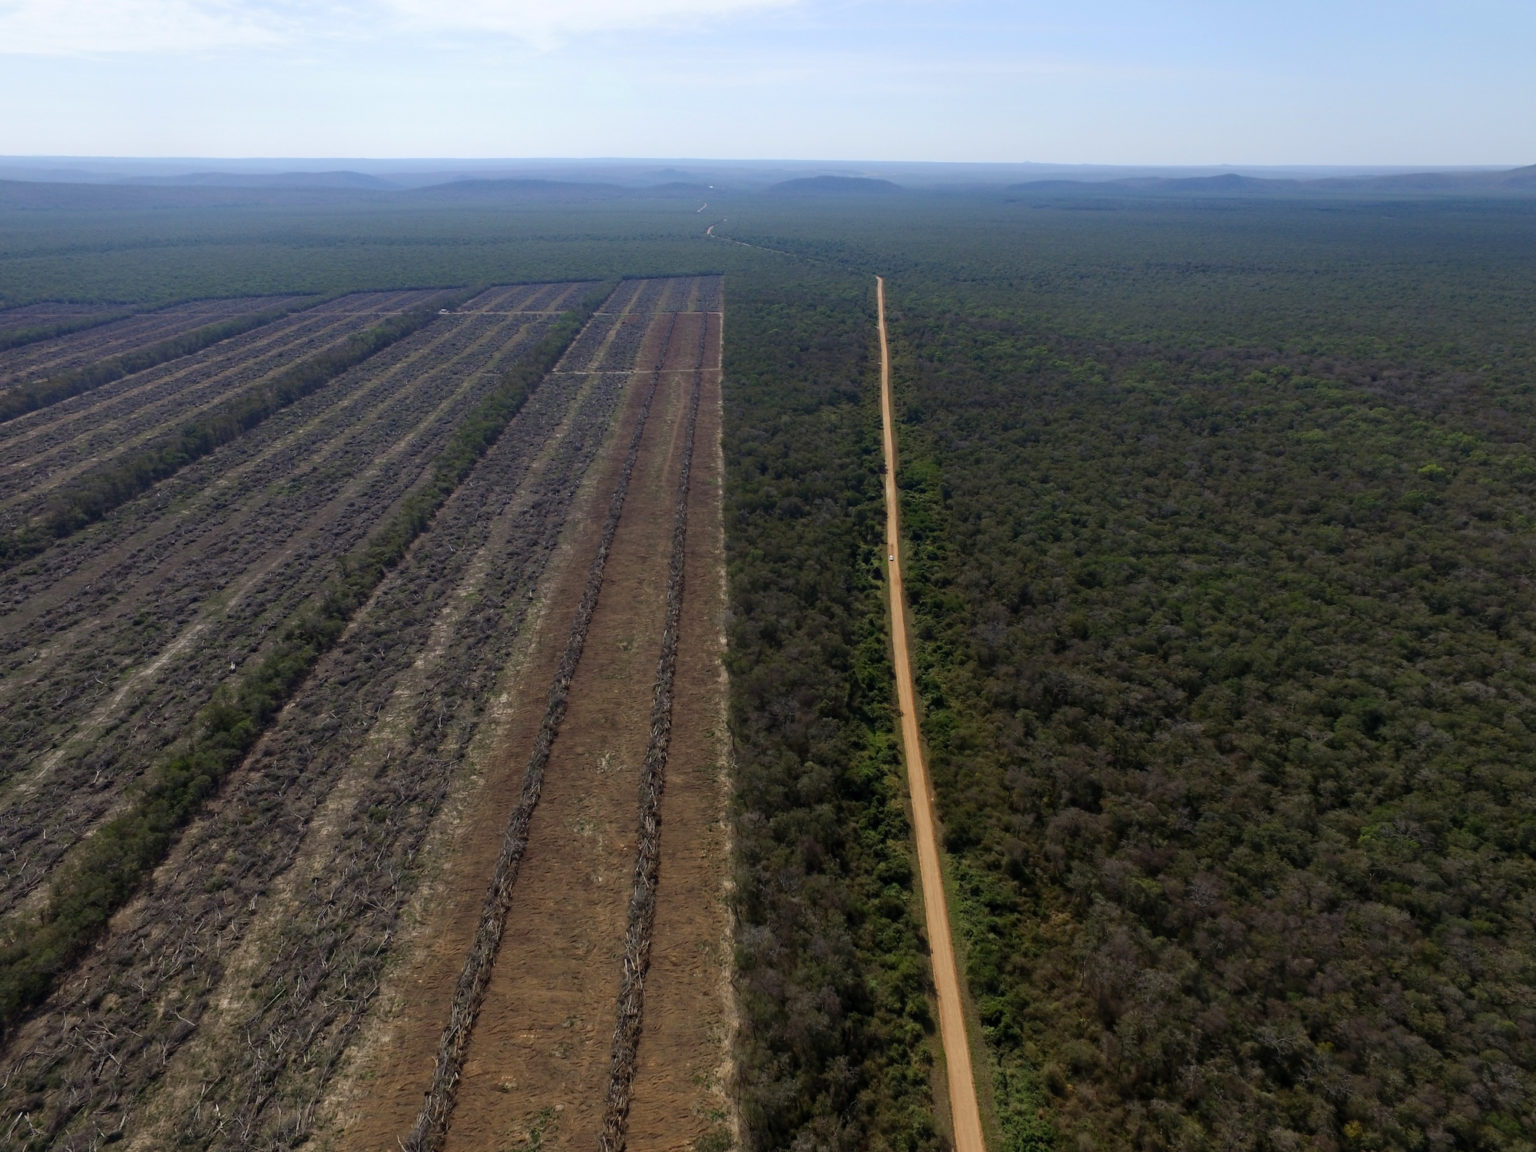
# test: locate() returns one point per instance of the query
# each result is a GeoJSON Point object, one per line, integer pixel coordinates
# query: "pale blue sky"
{"type": "Point", "coordinates": [1408, 82]}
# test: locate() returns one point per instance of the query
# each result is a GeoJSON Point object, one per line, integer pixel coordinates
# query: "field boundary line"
{"type": "Point", "coordinates": [964, 1109]}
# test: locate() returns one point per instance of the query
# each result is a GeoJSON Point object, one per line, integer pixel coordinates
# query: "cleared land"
{"type": "Point", "coordinates": [43, 450]}
{"type": "Point", "coordinates": [231, 1000]}
{"type": "Point", "coordinates": [539, 1055]}
{"type": "Point", "coordinates": [112, 640]}
{"type": "Point", "coordinates": [47, 357]}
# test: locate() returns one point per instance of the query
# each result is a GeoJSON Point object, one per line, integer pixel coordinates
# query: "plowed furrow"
{"type": "Point", "coordinates": [653, 775]}
{"type": "Point", "coordinates": [25, 480]}
{"type": "Point", "coordinates": [75, 780]}
{"type": "Point", "coordinates": [49, 357]}
{"type": "Point", "coordinates": [680, 1087]}
{"type": "Point", "coordinates": [25, 433]}
{"type": "Point", "coordinates": [543, 1034]}
{"type": "Point", "coordinates": [165, 964]}
{"type": "Point", "coordinates": [469, 993]}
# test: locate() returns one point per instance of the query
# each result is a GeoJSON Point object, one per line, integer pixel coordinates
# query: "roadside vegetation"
{"type": "Point", "coordinates": [836, 1041]}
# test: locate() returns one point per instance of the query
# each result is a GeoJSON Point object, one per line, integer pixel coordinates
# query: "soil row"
{"type": "Point", "coordinates": [193, 929]}
{"type": "Point", "coordinates": [59, 443]}
{"type": "Point", "coordinates": [539, 1055]}
{"type": "Point", "coordinates": [678, 294]}
{"type": "Point", "coordinates": [25, 316]}
{"type": "Point", "coordinates": [469, 993]}
{"type": "Point", "coordinates": [117, 684]}
{"type": "Point", "coordinates": [681, 1087]}
{"type": "Point", "coordinates": [115, 395]}
{"type": "Point", "coordinates": [46, 357]}
{"type": "Point", "coordinates": [528, 298]}
{"type": "Point", "coordinates": [359, 761]}
{"type": "Point", "coordinates": [653, 775]}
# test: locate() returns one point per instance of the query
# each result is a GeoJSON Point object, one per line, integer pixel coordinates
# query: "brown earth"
{"type": "Point", "coordinates": [382, 721]}
{"type": "Point", "coordinates": [680, 1084]}
{"type": "Point", "coordinates": [539, 1055]}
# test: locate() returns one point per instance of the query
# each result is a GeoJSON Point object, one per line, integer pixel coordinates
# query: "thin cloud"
{"type": "Point", "coordinates": [51, 28]}
{"type": "Point", "coordinates": [542, 23]}
{"type": "Point", "coordinates": [87, 27]}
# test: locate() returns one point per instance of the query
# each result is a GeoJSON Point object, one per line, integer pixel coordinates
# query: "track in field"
{"type": "Point", "coordinates": [233, 998]}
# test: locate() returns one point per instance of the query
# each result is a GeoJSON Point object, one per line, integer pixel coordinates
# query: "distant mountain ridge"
{"type": "Point", "coordinates": [834, 186]}
{"type": "Point", "coordinates": [341, 179]}
{"type": "Point", "coordinates": [1512, 181]}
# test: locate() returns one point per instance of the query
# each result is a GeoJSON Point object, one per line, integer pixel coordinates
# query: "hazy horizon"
{"type": "Point", "coordinates": [1426, 84]}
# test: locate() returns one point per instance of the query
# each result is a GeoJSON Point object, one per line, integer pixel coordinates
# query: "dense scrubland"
{"type": "Point", "coordinates": [1219, 518]}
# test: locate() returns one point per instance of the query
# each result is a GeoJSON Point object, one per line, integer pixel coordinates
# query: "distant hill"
{"type": "Point", "coordinates": [1227, 182]}
{"type": "Point", "coordinates": [344, 180]}
{"type": "Point", "coordinates": [835, 186]}
{"type": "Point", "coordinates": [1516, 181]}
{"type": "Point", "coordinates": [517, 189]}
{"type": "Point", "coordinates": [675, 188]}
{"type": "Point", "coordinates": [36, 195]}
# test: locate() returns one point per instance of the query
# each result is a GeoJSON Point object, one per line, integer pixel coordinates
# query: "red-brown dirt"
{"type": "Point", "coordinates": [282, 978]}
{"type": "Point", "coordinates": [539, 1053]}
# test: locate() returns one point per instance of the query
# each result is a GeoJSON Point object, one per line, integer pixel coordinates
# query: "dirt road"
{"type": "Point", "coordinates": [946, 977]}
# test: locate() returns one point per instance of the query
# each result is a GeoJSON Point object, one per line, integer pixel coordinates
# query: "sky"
{"type": "Point", "coordinates": [1350, 82]}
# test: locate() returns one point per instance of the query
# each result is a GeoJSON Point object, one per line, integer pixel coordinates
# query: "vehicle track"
{"type": "Point", "coordinates": [965, 1113]}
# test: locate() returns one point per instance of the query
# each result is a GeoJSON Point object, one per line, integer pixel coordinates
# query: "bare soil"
{"type": "Point", "coordinates": [229, 1002]}
{"type": "Point", "coordinates": [114, 642]}
{"type": "Point", "coordinates": [539, 1055]}
{"type": "Point", "coordinates": [680, 1083]}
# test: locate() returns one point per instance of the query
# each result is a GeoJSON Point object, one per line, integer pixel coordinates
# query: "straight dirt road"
{"type": "Point", "coordinates": [946, 977]}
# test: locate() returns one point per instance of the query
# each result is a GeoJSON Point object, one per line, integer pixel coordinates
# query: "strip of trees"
{"type": "Point", "coordinates": [836, 1041]}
